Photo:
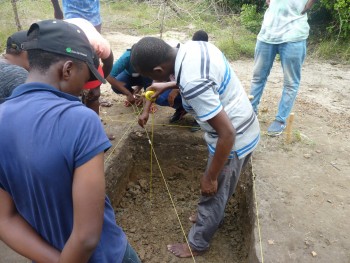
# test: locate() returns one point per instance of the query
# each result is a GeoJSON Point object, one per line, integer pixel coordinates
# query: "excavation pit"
{"type": "Point", "coordinates": [145, 210]}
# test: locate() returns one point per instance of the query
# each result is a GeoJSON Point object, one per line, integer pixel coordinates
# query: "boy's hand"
{"type": "Point", "coordinates": [143, 118]}
{"type": "Point", "coordinates": [308, 6]}
{"type": "Point", "coordinates": [130, 98]}
{"type": "Point", "coordinates": [208, 187]}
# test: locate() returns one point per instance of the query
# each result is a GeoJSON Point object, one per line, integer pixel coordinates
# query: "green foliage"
{"type": "Point", "coordinates": [236, 42]}
{"type": "Point", "coordinates": [340, 11]}
{"type": "Point", "coordinates": [250, 18]}
{"type": "Point", "coordinates": [236, 5]}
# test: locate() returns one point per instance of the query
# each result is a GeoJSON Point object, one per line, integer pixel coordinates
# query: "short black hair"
{"type": "Point", "coordinates": [200, 35]}
{"type": "Point", "coordinates": [149, 53]}
{"type": "Point", "coordinates": [42, 60]}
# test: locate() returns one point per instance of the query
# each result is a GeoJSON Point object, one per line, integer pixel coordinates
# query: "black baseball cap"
{"type": "Point", "coordinates": [60, 37]}
{"type": "Point", "coordinates": [16, 40]}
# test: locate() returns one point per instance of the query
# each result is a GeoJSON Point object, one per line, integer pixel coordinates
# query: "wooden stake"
{"type": "Point", "coordinates": [289, 128]}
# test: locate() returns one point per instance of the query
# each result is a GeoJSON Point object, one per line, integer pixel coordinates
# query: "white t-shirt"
{"type": "Point", "coordinates": [207, 85]}
{"type": "Point", "coordinates": [283, 22]}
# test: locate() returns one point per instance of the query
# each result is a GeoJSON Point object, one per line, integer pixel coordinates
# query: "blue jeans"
{"type": "Point", "coordinates": [130, 81]}
{"type": "Point", "coordinates": [162, 100]}
{"type": "Point", "coordinates": [130, 255]}
{"type": "Point", "coordinates": [292, 56]}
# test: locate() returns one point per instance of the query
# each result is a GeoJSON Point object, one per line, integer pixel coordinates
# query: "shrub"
{"type": "Point", "coordinates": [250, 18]}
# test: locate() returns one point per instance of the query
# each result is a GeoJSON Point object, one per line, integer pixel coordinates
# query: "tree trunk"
{"type": "Point", "coordinates": [14, 7]}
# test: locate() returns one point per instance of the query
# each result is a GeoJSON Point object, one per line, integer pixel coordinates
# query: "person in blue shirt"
{"type": "Point", "coordinates": [53, 206]}
{"type": "Point", "coordinates": [87, 9]}
{"type": "Point", "coordinates": [125, 80]}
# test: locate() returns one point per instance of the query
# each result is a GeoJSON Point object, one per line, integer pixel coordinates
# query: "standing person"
{"type": "Point", "coordinates": [213, 94]}
{"type": "Point", "coordinates": [284, 31]}
{"type": "Point", "coordinates": [13, 64]}
{"type": "Point", "coordinates": [53, 206]}
{"type": "Point", "coordinates": [87, 9]}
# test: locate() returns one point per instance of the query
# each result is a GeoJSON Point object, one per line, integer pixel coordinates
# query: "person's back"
{"type": "Point", "coordinates": [11, 76]}
{"type": "Point", "coordinates": [45, 148]}
{"type": "Point", "coordinates": [215, 76]}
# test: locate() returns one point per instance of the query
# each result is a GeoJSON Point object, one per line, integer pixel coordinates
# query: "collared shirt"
{"type": "Point", "coordinates": [47, 134]}
{"type": "Point", "coordinates": [208, 85]}
{"type": "Point", "coordinates": [283, 22]}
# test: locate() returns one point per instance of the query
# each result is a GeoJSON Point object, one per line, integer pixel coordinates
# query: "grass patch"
{"type": "Point", "coordinates": [330, 49]}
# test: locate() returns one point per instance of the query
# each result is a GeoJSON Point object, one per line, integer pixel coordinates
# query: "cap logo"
{"type": "Point", "coordinates": [71, 51]}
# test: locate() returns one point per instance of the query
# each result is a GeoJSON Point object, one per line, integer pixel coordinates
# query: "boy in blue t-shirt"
{"type": "Point", "coordinates": [53, 206]}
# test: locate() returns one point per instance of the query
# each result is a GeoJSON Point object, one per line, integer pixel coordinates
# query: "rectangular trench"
{"type": "Point", "coordinates": [144, 208]}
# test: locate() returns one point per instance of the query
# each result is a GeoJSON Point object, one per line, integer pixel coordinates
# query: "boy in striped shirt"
{"type": "Point", "coordinates": [213, 94]}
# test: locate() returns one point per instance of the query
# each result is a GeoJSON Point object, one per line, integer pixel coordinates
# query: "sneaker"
{"type": "Point", "coordinates": [195, 126]}
{"type": "Point", "coordinates": [276, 128]}
{"type": "Point", "coordinates": [178, 115]}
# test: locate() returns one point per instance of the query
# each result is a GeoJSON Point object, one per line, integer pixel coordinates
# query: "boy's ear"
{"type": "Point", "coordinates": [158, 69]}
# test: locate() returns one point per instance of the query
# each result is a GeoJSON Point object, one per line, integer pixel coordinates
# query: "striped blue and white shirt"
{"type": "Point", "coordinates": [208, 84]}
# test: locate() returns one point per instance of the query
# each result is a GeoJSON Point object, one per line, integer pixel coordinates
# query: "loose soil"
{"type": "Point", "coordinates": [147, 214]}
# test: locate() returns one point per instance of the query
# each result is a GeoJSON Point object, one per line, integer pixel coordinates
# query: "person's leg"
{"type": "Point", "coordinates": [162, 99]}
{"type": "Point", "coordinates": [292, 57]}
{"type": "Point", "coordinates": [263, 60]}
{"type": "Point", "coordinates": [210, 210]}
{"type": "Point", "coordinates": [130, 255]}
{"type": "Point", "coordinates": [92, 99]}
{"type": "Point", "coordinates": [126, 79]}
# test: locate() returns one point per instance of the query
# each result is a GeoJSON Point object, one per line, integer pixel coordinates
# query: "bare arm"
{"type": "Point", "coordinates": [227, 135]}
{"type": "Point", "coordinates": [160, 87]}
{"type": "Point", "coordinates": [88, 204]}
{"type": "Point", "coordinates": [308, 6]}
{"type": "Point", "coordinates": [143, 118]}
{"type": "Point", "coordinates": [20, 236]}
{"type": "Point", "coordinates": [57, 9]}
{"type": "Point", "coordinates": [120, 87]}
{"type": "Point", "coordinates": [107, 64]}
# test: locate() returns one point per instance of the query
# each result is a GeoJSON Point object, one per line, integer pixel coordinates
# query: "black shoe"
{"type": "Point", "coordinates": [178, 115]}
